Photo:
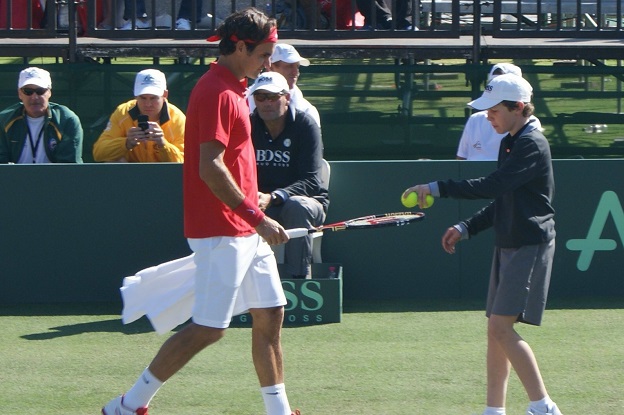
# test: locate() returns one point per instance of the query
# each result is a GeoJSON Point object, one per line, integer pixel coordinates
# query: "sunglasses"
{"type": "Point", "coordinates": [38, 91]}
{"type": "Point", "coordinates": [262, 96]}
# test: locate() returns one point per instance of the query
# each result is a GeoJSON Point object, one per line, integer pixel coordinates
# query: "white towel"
{"type": "Point", "coordinates": [164, 293]}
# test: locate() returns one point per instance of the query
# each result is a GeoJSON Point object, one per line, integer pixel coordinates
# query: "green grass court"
{"type": "Point", "coordinates": [383, 359]}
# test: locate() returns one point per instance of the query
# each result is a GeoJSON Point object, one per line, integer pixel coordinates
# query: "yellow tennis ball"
{"type": "Point", "coordinates": [410, 201]}
{"type": "Point", "coordinates": [428, 201]}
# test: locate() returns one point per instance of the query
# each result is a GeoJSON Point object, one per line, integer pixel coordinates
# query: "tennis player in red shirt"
{"type": "Point", "coordinates": [235, 266]}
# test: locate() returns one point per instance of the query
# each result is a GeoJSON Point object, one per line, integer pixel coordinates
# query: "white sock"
{"type": "Point", "coordinates": [275, 400]}
{"type": "Point", "coordinates": [140, 395]}
{"type": "Point", "coordinates": [543, 405]}
{"type": "Point", "coordinates": [492, 410]}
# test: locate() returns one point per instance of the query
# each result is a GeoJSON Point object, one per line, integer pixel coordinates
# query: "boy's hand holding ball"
{"type": "Point", "coordinates": [410, 200]}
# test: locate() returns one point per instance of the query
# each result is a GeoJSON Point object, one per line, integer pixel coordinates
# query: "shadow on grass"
{"type": "Point", "coordinates": [105, 326]}
{"type": "Point", "coordinates": [349, 306]}
{"type": "Point", "coordinates": [114, 325]}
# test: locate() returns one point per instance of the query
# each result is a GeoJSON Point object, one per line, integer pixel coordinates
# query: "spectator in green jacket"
{"type": "Point", "coordinates": [36, 130]}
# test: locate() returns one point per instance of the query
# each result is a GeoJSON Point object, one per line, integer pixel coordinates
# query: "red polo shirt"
{"type": "Point", "coordinates": [217, 110]}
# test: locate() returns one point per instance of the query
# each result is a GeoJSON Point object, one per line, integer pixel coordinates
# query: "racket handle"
{"type": "Point", "coordinates": [297, 232]}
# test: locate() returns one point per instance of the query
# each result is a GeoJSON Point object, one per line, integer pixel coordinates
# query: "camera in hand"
{"type": "Point", "coordinates": [143, 122]}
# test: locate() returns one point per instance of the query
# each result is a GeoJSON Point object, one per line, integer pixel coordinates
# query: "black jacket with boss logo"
{"type": "Point", "coordinates": [292, 161]}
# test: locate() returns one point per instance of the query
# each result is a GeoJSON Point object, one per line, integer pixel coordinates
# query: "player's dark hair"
{"type": "Point", "coordinates": [527, 111]}
{"type": "Point", "coordinates": [249, 25]}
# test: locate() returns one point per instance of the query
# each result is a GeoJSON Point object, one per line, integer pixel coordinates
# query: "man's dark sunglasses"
{"type": "Point", "coordinates": [38, 91]}
{"type": "Point", "coordinates": [262, 96]}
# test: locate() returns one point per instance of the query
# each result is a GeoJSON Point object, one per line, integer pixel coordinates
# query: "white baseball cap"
{"type": "Point", "coordinates": [504, 68]}
{"type": "Point", "coordinates": [507, 87]}
{"type": "Point", "coordinates": [35, 76]}
{"type": "Point", "coordinates": [150, 82]}
{"type": "Point", "coordinates": [271, 82]}
{"type": "Point", "coordinates": [287, 53]}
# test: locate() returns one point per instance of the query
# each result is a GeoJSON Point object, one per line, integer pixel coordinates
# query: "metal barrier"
{"type": "Point", "coordinates": [533, 18]}
{"type": "Point", "coordinates": [312, 20]}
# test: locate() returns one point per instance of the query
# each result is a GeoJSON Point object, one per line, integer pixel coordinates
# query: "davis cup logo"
{"type": "Point", "coordinates": [31, 73]}
{"type": "Point", "coordinates": [149, 80]}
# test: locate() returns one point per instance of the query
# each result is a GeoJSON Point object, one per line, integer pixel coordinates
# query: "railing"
{"type": "Point", "coordinates": [535, 18]}
{"type": "Point", "coordinates": [311, 20]}
{"type": "Point", "coordinates": [296, 19]}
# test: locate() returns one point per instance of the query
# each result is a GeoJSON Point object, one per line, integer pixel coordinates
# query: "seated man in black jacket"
{"type": "Point", "coordinates": [289, 155]}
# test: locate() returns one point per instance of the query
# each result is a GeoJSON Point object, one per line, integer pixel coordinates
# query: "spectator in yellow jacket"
{"type": "Point", "coordinates": [158, 139]}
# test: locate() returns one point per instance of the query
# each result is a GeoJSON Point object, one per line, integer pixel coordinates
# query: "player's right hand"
{"type": "Point", "coordinates": [272, 232]}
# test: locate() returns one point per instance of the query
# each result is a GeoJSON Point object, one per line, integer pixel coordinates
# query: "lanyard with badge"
{"type": "Point", "coordinates": [34, 146]}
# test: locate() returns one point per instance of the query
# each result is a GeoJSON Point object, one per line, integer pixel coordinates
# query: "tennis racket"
{"type": "Point", "coordinates": [365, 222]}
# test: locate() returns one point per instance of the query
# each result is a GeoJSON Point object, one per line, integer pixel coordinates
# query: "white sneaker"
{"type": "Point", "coordinates": [116, 407]}
{"type": "Point", "coordinates": [553, 410]}
{"type": "Point", "coordinates": [183, 24]}
{"type": "Point", "coordinates": [140, 24]}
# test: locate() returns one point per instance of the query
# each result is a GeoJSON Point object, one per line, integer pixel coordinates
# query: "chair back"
{"type": "Point", "coordinates": [325, 174]}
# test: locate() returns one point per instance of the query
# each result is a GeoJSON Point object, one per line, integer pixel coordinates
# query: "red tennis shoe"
{"type": "Point", "coordinates": [116, 407]}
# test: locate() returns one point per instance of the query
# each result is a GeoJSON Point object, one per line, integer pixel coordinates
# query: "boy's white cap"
{"type": "Point", "coordinates": [287, 53]}
{"type": "Point", "coordinates": [507, 87]}
{"type": "Point", "coordinates": [35, 76]}
{"type": "Point", "coordinates": [271, 82]}
{"type": "Point", "coordinates": [150, 82]}
{"type": "Point", "coordinates": [504, 68]}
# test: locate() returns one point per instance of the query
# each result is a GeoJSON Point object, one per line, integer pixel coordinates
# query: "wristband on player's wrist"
{"type": "Point", "coordinates": [249, 212]}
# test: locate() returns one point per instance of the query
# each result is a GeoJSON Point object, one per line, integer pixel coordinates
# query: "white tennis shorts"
{"type": "Point", "coordinates": [233, 275]}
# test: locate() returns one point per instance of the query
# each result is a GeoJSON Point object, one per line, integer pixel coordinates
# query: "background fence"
{"type": "Point", "coordinates": [377, 109]}
{"type": "Point", "coordinates": [383, 94]}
